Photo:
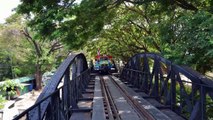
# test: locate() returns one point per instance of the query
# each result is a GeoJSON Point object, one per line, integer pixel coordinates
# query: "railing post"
{"type": "Point", "coordinates": [132, 66]}
{"type": "Point", "coordinates": [137, 73]}
{"type": "Point", "coordinates": [131, 77]}
{"type": "Point", "coordinates": [146, 74]}
{"type": "Point", "coordinates": [55, 105]}
{"type": "Point", "coordinates": [203, 102]}
{"type": "Point", "coordinates": [79, 65]}
{"type": "Point", "coordinates": [74, 86]}
{"type": "Point", "coordinates": [155, 86]}
{"type": "Point", "coordinates": [74, 70]}
{"type": "Point", "coordinates": [157, 78]}
{"type": "Point", "coordinates": [67, 91]}
{"type": "Point", "coordinates": [173, 88]}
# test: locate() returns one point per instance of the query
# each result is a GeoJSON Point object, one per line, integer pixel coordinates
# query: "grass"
{"type": "Point", "coordinates": [2, 101]}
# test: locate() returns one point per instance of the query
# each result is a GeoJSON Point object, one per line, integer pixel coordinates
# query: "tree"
{"type": "Point", "coordinates": [12, 47]}
{"type": "Point", "coordinates": [127, 26]}
{"type": "Point", "coordinates": [131, 32]}
{"type": "Point", "coordinates": [66, 20]}
{"type": "Point", "coordinates": [191, 42]}
{"type": "Point", "coordinates": [193, 5]}
{"type": "Point", "coordinates": [25, 49]}
{"type": "Point", "coordinates": [43, 51]}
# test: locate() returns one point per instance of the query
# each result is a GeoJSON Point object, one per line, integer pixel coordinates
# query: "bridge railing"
{"type": "Point", "coordinates": [60, 96]}
{"type": "Point", "coordinates": [182, 89]}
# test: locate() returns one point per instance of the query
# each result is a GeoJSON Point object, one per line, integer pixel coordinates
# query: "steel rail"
{"type": "Point", "coordinates": [111, 108]}
{"type": "Point", "coordinates": [142, 112]}
{"type": "Point", "coordinates": [106, 100]}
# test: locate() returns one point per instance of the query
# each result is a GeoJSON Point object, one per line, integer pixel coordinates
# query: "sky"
{"type": "Point", "coordinates": [6, 7]}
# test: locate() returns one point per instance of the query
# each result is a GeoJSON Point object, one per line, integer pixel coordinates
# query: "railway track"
{"type": "Point", "coordinates": [110, 108]}
{"type": "Point", "coordinates": [112, 111]}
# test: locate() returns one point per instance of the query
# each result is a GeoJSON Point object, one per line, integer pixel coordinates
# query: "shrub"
{"type": "Point", "coordinates": [9, 87]}
{"type": "Point", "coordinates": [2, 101]}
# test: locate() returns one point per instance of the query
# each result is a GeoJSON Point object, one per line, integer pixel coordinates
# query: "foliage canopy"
{"type": "Point", "coordinates": [178, 29]}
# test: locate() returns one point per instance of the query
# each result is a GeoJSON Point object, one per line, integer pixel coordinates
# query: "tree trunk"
{"type": "Point", "coordinates": [38, 77]}
{"type": "Point", "coordinates": [202, 69]}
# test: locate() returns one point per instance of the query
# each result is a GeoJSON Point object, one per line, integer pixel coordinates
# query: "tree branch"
{"type": "Point", "coordinates": [181, 3]}
{"type": "Point", "coordinates": [56, 45]}
{"type": "Point", "coordinates": [185, 5]}
{"type": "Point", "coordinates": [141, 27]}
{"type": "Point", "coordinates": [139, 2]}
{"type": "Point", "coordinates": [30, 39]}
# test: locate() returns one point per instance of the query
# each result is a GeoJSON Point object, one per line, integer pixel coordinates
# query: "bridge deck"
{"type": "Point", "coordinates": [125, 110]}
{"type": "Point", "coordinates": [158, 80]}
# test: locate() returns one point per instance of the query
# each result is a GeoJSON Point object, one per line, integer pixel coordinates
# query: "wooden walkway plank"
{"type": "Point", "coordinates": [149, 107]}
{"type": "Point", "coordinates": [98, 112]}
{"type": "Point", "coordinates": [80, 116]}
{"type": "Point", "coordinates": [125, 110]}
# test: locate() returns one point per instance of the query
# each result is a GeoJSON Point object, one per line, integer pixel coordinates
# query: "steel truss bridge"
{"type": "Point", "coordinates": [149, 87]}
